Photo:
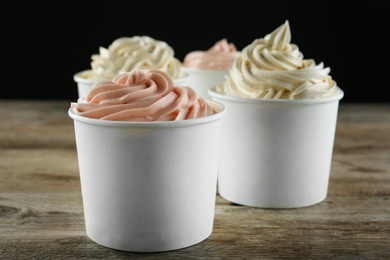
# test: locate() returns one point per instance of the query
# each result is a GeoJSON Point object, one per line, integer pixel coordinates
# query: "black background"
{"type": "Point", "coordinates": [44, 43]}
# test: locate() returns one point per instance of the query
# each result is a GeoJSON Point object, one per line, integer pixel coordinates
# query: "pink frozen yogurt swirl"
{"type": "Point", "coordinates": [142, 96]}
{"type": "Point", "coordinates": [219, 57]}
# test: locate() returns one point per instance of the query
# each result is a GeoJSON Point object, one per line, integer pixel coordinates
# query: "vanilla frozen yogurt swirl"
{"type": "Point", "coordinates": [273, 68]}
{"type": "Point", "coordinates": [141, 96]}
{"type": "Point", "coordinates": [128, 53]}
{"type": "Point", "coordinates": [219, 57]}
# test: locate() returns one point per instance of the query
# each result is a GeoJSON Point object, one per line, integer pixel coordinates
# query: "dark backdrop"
{"type": "Point", "coordinates": [45, 42]}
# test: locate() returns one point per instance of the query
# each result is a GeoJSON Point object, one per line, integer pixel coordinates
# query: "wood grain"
{"type": "Point", "coordinates": [41, 212]}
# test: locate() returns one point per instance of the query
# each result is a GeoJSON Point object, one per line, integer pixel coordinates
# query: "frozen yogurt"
{"type": "Point", "coordinates": [142, 96]}
{"type": "Point", "coordinates": [273, 68]}
{"type": "Point", "coordinates": [281, 116]}
{"type": "Point", "coordinates": [128, 53]}
{"type": "Point", "coordinates": [219, 57]}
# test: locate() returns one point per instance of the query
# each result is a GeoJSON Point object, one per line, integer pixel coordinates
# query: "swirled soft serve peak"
{"type": "Point", "coordinates": [142, 96]}
{"type": "Point", "coordinates": [273, 68]}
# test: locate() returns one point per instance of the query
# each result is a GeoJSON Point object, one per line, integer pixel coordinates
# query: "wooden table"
{"type": "Point", "coordinates": [41, 213]}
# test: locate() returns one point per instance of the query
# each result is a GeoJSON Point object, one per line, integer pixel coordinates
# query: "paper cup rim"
{"type": "Point", "coordinates": [213, 93]}
{"type": "Point", "coordinates": [78, 77]}
{"type": "Point", "coordinates": [155, 124]}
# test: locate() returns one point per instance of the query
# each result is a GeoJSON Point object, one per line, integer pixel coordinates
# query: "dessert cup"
{"type": "Point", "coordinates": [203, 79]}
{"type": "Point", "coordinates": [276, 153]}
{"type": "Point", "coordinates": [148, 187]}
{"type": "Point", "coordinates": [85, 81]}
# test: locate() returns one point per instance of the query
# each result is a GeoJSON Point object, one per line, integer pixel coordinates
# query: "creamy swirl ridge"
{"type": "Point", "coordinates": [273, 68]}
{"type": "Point", "coordinates": [141, 96]}
{"type": "Point", "coordinates": [219, 57]}
{"type": "Point", "coordinates": [128, 53]}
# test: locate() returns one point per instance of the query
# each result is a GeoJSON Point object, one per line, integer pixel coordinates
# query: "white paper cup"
{"type": "Point", "coordinates": [85, 81]}
{"type": "Point", "coordinates": [201, 79]}
{"type": "Point", "coordinates": [276, 153]}
{"type": "Point", "coordinates": [148, 187]}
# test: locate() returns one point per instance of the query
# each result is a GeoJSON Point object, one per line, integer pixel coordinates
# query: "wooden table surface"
{"type": "Point", "coordinates": [41, 213]}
